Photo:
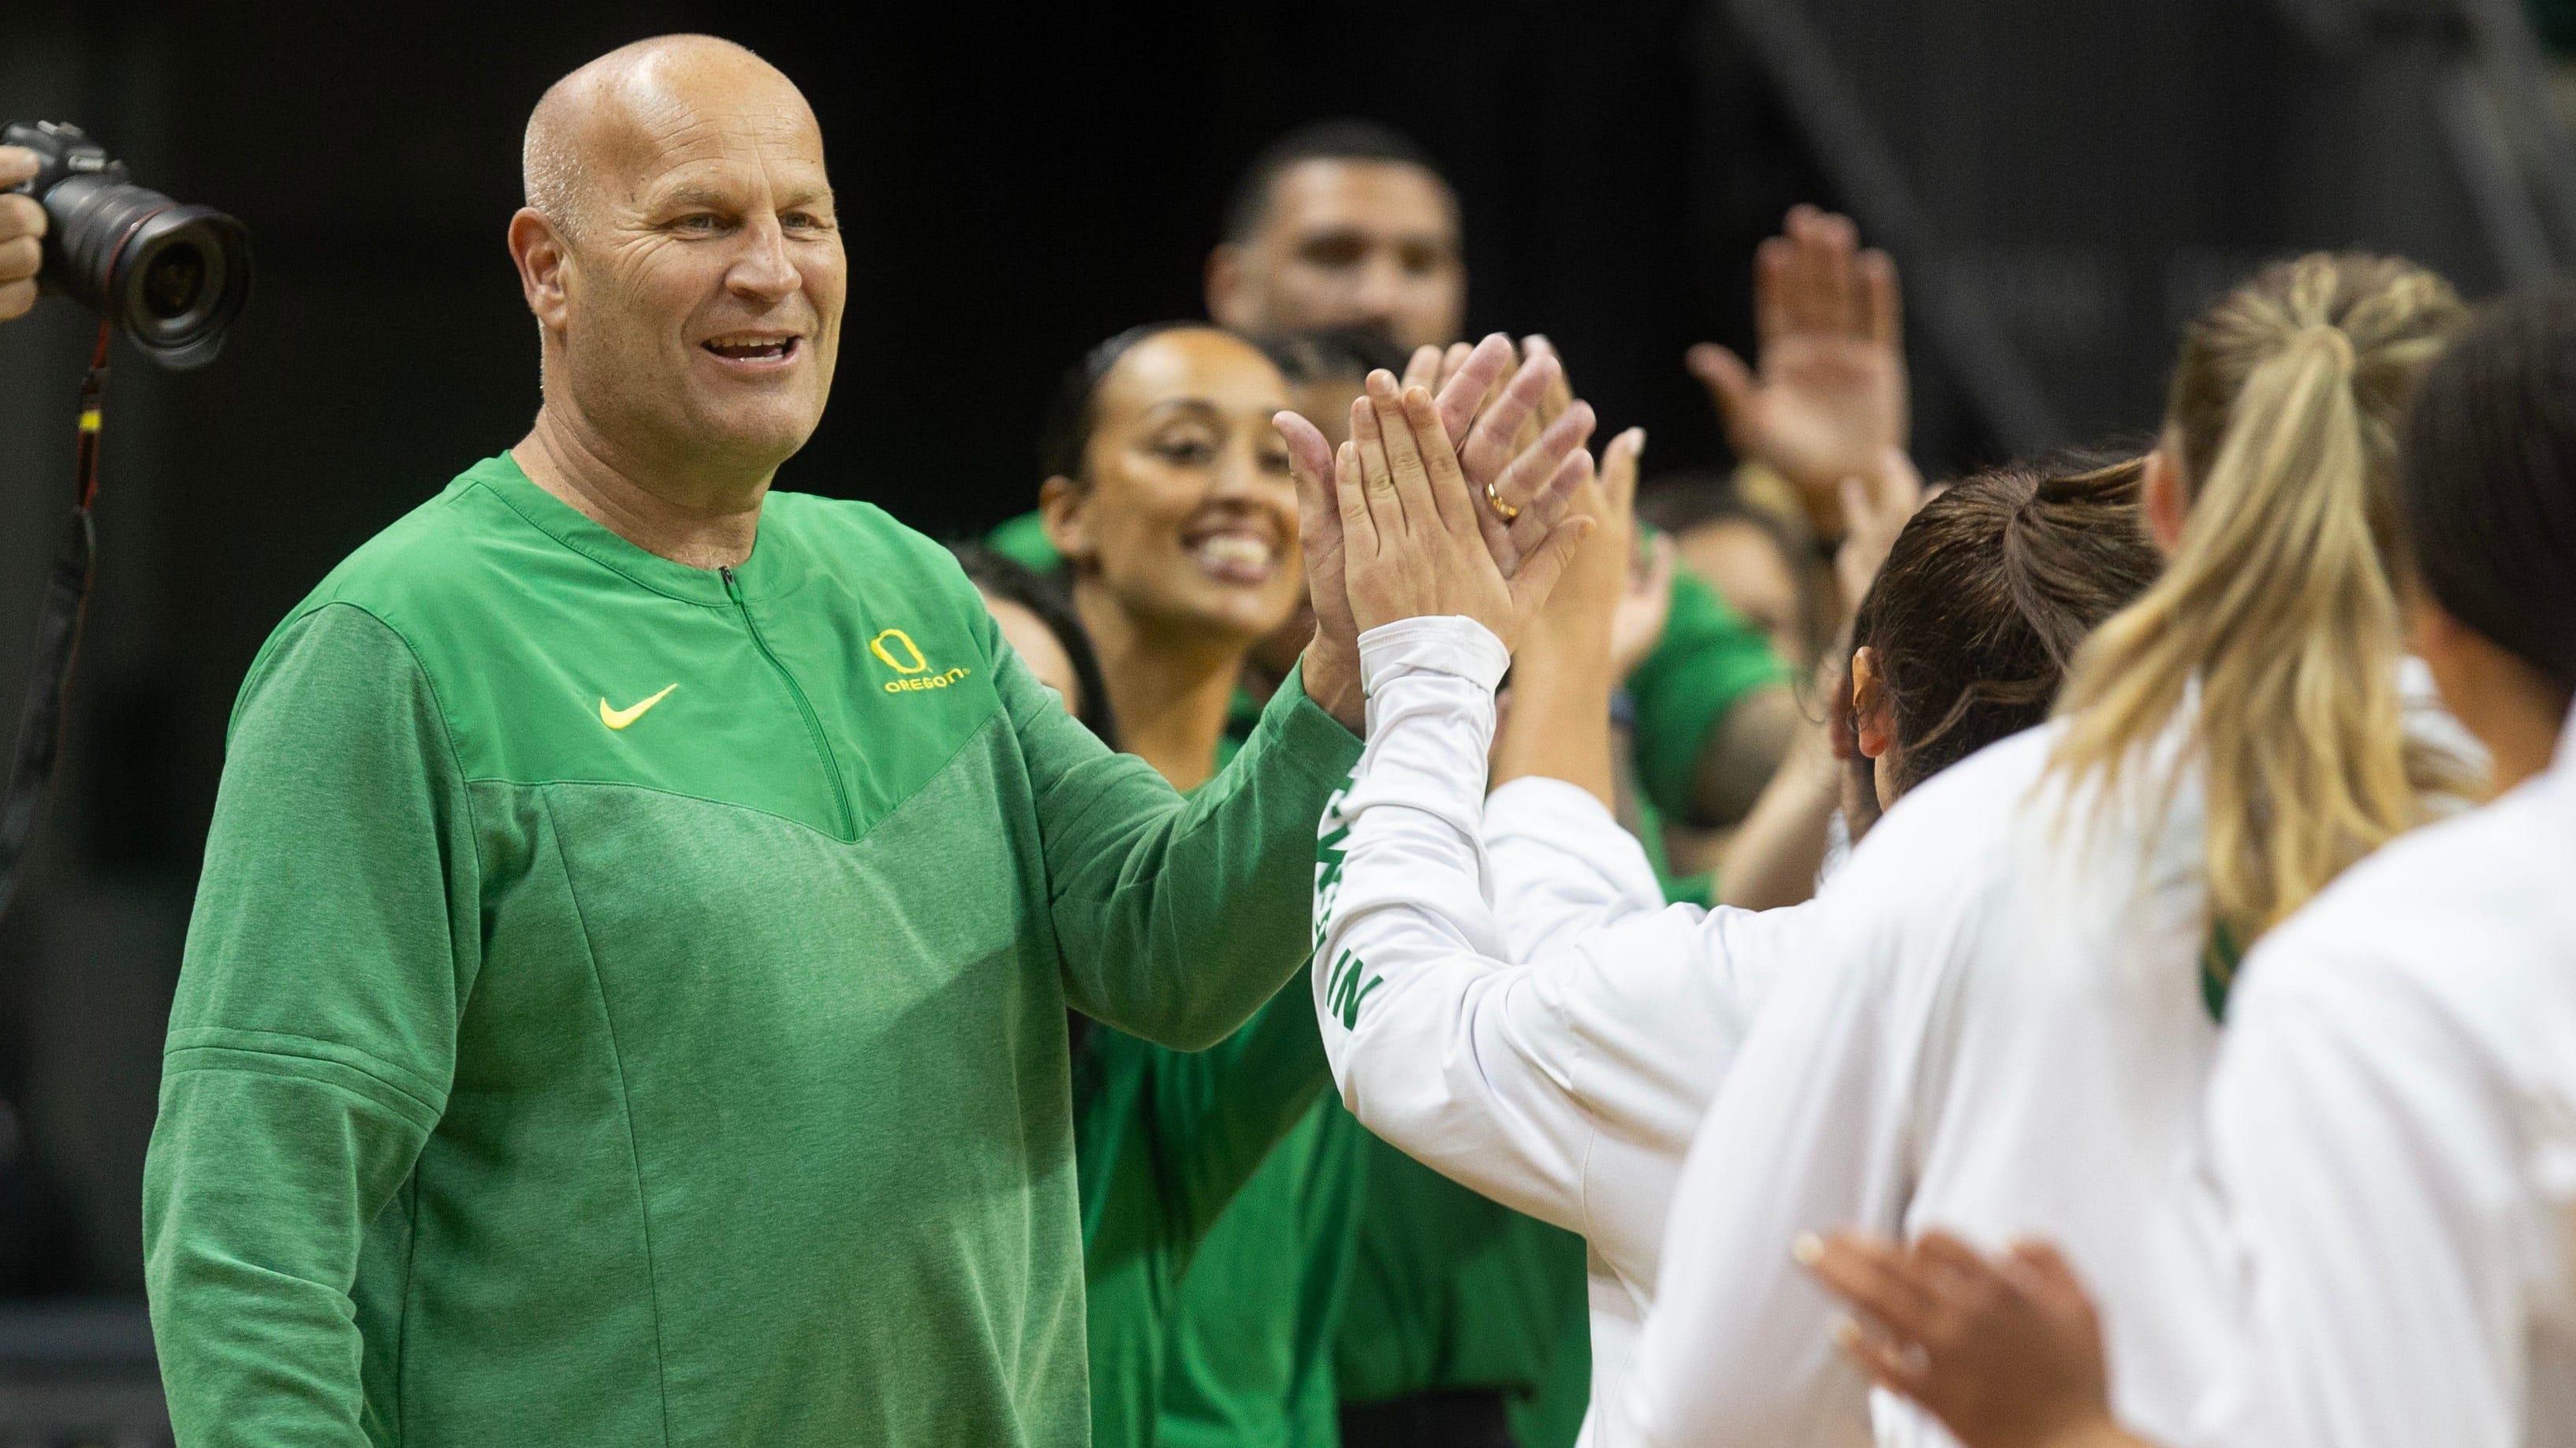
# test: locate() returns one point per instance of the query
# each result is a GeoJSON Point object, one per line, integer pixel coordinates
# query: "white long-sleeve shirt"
{"type": "Point", "coordinates": [1500, 985]}
{"type": "Point", "coordinates": [2393, 1131]}
{"type": "Point", "coordinates": [2002, 1033]}
{"type": "Point", "coordinates": [1566, 1085]}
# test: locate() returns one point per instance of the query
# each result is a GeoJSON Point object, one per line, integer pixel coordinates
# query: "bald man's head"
{"type": "Point", "coordinates": [577, 119]}
{"type": "Point", "coordinates": [680, 252]}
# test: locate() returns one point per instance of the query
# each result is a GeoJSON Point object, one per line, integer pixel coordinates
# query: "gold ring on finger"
{"type": "Point", "coordinates": [1502, 510]}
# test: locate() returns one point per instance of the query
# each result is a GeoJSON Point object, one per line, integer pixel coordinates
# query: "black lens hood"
{"type": "Point", "coordinates": [171, 277]}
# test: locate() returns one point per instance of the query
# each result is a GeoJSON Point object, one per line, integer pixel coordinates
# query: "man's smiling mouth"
{"type": "Point", "coordinates": [754, 346]}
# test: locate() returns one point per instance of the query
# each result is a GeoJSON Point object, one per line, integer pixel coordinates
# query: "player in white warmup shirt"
{"type": "Point", "coordinates": [1567, 1085]}
{"type": "Point", "coordinates": [2393, 1118]}
{"type": "Point", "coordinates": [2009, 1025]}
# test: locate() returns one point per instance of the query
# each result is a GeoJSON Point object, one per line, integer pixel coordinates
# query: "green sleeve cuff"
{"type": "Point", "coordinates": [1299, 726]}
{"type": "Point", "coordinates": [1708, 660]}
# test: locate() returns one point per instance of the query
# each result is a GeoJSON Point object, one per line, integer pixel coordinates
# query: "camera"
{"type": "Point", "coordinates": [172, 277]}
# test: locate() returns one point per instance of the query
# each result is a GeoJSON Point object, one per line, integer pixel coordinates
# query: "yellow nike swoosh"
{"type": "Point", "coordinates": [620, 718]}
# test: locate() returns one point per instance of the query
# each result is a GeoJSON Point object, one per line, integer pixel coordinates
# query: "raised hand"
{"type": "Point", "coordinates": [2006, 1353]}
{"type": "Point", "coordinates": [1412, 542]}
{"type": "Point", "coordinates": [1593, 629]}
{"type": "Point", "coordinates": [1646, 602]}
{"type": "Point", "coordinates": [1476, 400]}
{"type": "Point", "coordinates": [1581, 622]}
{"type": "Point", "coordinates": [1829, 395]}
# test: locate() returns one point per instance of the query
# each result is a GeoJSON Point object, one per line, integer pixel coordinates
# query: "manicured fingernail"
{"type": "Point", "coordinates": [1637, 438]}
{"type": "Point", "coordinates": [1807, 1249]}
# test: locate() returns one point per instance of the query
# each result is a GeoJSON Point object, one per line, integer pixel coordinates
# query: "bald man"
{"type": "Point", "coordinates": [625, 1001]}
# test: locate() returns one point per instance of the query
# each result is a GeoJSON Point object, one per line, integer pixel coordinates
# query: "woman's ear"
{"type": "Point", "coordinates": [1064, 507]}
{"type": "Point", "coordinates": [2162, 496]}
{"type": "Point", "coordinates": [1873, 714]}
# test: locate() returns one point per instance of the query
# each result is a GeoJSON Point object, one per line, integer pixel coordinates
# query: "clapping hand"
{"type": "Point", "coordinates": [1414, 529]}
{"type": "Point", "coordinates": [1829, 396]}
{"type": "Point", "coordinates": [1491, 400]}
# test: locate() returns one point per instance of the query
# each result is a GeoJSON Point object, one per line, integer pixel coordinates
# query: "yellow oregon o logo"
{"type": "Point", "coordinates": [877, 646]}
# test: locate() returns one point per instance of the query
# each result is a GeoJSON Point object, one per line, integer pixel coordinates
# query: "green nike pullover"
{"type": "Point", "coordinates": [625, 1002]}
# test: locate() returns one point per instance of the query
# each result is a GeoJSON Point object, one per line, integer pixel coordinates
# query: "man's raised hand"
{"type": "Point", "coordinates": [1413, 544]}
{"type": "Point", "coordinates": [1829, 395]}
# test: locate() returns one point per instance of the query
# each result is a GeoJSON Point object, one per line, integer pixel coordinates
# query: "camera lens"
{"type": "Point", "coordinates": [172, 276]}
{"type": "Point", "coordinates": [174, 281]}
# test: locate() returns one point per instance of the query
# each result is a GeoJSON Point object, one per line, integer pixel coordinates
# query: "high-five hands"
{"type": "Point", "coordinates": [1829, 397]}
{"type": "Point", "coordinates": [1523, 480]}
{"type": "Point", "coordinates": [1416, 532]}
{"type": "Point", "coordinates": [1488, 398]}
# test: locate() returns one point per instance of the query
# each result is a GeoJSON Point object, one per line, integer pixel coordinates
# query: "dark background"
{"type": "Point", "coordinates": [2061, 184]}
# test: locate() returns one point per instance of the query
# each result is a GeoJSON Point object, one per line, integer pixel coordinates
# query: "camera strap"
{"type": "Point", "coordinates": [40, 728]}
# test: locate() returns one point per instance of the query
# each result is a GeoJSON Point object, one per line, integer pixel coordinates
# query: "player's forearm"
{"type": "Point", "coordinates": [1773, 857]}
{"type": "Point", "coordinates": [1558, 726]}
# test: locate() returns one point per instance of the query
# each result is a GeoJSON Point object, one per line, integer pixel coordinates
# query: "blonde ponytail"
{"type": "Point", "coordinates": [2280, 601]}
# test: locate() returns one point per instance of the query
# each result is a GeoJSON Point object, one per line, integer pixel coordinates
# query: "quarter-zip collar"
{"type": "Point", "coordinates": [771, 569]}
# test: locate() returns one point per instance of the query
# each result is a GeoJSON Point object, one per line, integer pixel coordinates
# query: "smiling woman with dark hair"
{"type": "Point", "coordinates": [1169, 499]}
{"type": "Point", "coordinates": [1217, 1201]}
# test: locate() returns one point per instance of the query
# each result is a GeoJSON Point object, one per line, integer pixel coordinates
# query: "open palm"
{"type": "Point", "coordinates": [1830, 396]}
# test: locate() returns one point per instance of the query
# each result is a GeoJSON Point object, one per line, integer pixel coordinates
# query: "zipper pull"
{"type": "Point", "coordinates": [732, 589]}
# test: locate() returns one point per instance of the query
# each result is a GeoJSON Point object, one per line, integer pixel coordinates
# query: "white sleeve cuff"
{"type": "Point", "coordinates": [1445, 644]}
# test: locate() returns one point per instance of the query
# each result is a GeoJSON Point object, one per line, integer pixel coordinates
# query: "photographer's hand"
{"type": "Point", "coordinates": [22, 230]}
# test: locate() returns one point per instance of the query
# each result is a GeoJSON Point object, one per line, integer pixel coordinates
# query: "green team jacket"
{"type": "Point", "coordinates": [1170, 1145]}
{"type": "Point", "coordinates": [1251, 1339]}
{"type": "Point", "coordinates": [1213, 1317]}
{"type": "Point", "coordinates": [1219, 1198]}
{"type": "Point", "coordinates": [625, 1002]}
